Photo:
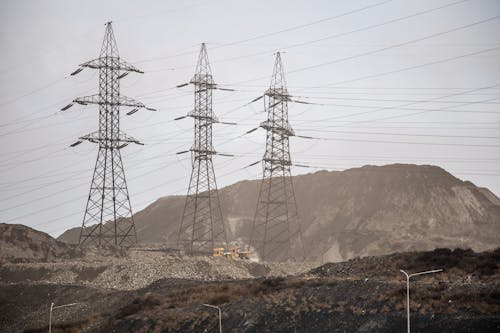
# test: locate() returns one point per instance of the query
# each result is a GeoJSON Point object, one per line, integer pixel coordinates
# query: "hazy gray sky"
{"type": "Point", "coordinates": [397, 82]}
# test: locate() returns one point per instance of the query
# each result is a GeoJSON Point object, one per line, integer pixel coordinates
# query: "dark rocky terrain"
{"type": "Point", "coordinates": [361, 295]}
{"type": "Point", "coordinates": [357, 212]}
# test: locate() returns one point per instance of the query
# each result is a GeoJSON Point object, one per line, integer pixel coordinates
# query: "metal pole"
{"type": "Point", "coordinates": [408, 276]}
{"type": "Point", "coordinates": [408, 304]}
{"type": "Point", "coordinates": [50, 317]}
{"type": "Point", "coordinates": [52, 307]}
{"type": "Point", "coordinates": [220, 315]}
{"type": "Point", "coordinates": [220, 320]}
{"type": "Point", "coordinates": [407, 300]}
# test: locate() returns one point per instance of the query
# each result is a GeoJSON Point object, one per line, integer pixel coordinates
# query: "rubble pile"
{"type": "Point", "coordinates": [142, 267]}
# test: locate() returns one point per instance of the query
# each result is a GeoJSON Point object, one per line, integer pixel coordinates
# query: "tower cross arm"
{"type": "Point", "coordinates": [104, 62]}
{"type": "Point", "coordinates": [121, 138]}
{"type": "Point", "coordinates": [278, 93]}
{"type": "Point", "coordinates": [210, 118]}
{"type": "Point", "coordinates": [284, 129]}
{"type": "Point", "coordinates": [97, 99]}
{"type": "Point", "coordinates": [127, 101]}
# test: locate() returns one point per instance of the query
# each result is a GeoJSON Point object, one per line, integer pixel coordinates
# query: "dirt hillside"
{"type": "Point", "coordinates": [19, 243]}
{"type": "Point", "coordinates": [371, 210]}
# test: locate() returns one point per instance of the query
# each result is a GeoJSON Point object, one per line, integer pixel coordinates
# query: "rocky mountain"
{"type": "Point", "coordinates": [371, 210]}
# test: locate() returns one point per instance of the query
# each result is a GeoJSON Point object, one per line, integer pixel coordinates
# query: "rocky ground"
{"type": "Point", "coordinates": [140, 267]}
{"type": "Point", "coordinates": [157, 291]}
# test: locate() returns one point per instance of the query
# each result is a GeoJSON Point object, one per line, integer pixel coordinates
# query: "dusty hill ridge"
{"type": "Point", "coordinates": [19, 243]}
{"type": "Point", "coordinates": [22, 244]}
{"type": "Point", "coordinates": [370, 210]}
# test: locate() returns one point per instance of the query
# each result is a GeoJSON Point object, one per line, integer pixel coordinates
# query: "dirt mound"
{"type": "Point", "coordinates": [373, 210]}
{"type": "Point", "coordinates": [23, 244]}
{"type": "Point", "coordinates": [458, 262]}
{"type": "Point", "coordinates": [140, 268]}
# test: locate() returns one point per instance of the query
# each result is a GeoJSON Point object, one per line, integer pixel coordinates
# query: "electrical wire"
{"type": "Point", "coordinates": [300, 26]}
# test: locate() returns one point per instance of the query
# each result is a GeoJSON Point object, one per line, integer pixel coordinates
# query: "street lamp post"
{"type": "Point", "coordinates": [220, 316]}
{"type": "Point", "coordinates": [52, 307]}
{"type": "Point", "coordinates": [408, 276]}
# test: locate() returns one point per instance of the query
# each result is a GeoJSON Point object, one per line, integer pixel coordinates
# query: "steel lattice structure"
{"type": "Point", "coordinates": [202, 226]}
{"type": "Point", "coordinates": [108, 216]}
{"type": "Point", "coordinates": [276, 232]}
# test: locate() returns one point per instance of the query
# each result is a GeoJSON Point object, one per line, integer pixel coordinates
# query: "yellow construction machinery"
{"type": "Point", "coordinates": [234, 252]}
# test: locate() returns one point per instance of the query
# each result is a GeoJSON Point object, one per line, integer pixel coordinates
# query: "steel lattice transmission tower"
{"type": "Point", "coordinates": [276, 231]}
{"type": "Point", "coordinates": [108, 216]}
{"type": "Point", "coordinates": [202, 226]}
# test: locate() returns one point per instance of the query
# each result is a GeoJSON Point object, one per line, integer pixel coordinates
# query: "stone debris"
{"type": "Point", "coordinates": [143, 267]}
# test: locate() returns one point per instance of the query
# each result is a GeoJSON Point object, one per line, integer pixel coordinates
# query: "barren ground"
{"type": "Point", "coordinates": [156, 291]}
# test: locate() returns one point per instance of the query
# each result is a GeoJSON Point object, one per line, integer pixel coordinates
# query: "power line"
{"type": "Point", "coordinates": [417, 66]}
{"type": "Point", "coordinates": [156, 186]}
{"type": "Point", "coordinates": [408, 68]}
{"type": "Point", "coordinates": [306, 25]}
{"type": "Point", "coordinates": [144, 191]}
{"type": "Point", "coordinates": [434, 99]}
{"type": "Point", "coordinates": [297, 27]}
{"type": "Point", "coordinates": [332, 36]}
{"type": "Point", "coordinates": [19, 120]}
{"type": "Point", "coordinates": [338, 35]}
{"type": "Point", "coordinates": [406, 134]}
{"type": "Point", "coordinates": [390, 100]}
{"type": "Point", "coordinates": [50, 84]}
{"type": "Point", "coordinates": [397, 45]}
{"type": "Point", "coordinates": [383, 49]}
{"type": "Point", "coordinates": [408, 142]}
{"type": "Point", "coordinates": [274, 33]}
